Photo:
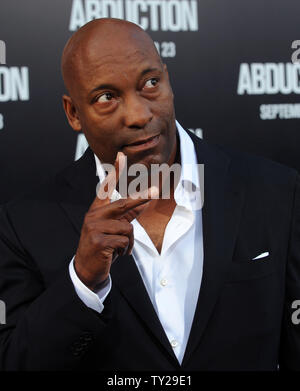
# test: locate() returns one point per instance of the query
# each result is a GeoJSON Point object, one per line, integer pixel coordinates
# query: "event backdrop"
{"type": "Point", "coordinates": [233, 68]}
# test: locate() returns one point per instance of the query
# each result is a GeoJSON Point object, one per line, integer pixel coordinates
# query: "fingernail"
{"type": "Point", "coordinates": [121, 159]}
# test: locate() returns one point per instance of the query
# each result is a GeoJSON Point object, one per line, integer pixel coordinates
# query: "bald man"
{"type": "Point", "coordinates": [95, 279]}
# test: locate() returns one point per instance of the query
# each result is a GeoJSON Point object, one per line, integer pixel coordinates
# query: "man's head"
{"type": "Point", "coordinates": [119, 92]}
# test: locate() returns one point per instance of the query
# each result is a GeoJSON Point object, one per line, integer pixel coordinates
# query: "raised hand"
{"type": "Point", "coordinates": [107, 231]}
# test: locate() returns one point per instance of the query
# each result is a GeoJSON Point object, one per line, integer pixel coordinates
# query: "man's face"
{"type": "Point", "coordinates": [122, 96]}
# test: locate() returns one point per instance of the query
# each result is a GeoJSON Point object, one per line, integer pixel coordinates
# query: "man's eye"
{"type": "Point", "coordinates": [105, 97]}
{"type": "Point", "coordinates": [151, 83]}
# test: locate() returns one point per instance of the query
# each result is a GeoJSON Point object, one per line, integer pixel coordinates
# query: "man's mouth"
{"type": "Point", "coordinates": [138, 145]}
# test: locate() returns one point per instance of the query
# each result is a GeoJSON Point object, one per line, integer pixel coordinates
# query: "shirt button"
{"type": "Point", "coordinates": [174, 343]}
{"type": "Point", "coordinates": [163, 282]}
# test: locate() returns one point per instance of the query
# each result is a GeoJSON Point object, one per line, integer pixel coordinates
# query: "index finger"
{"type": "Point", "coordinates": [108, 185]}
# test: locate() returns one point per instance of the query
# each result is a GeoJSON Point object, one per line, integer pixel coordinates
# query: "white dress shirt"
{"type": "Point", "coordinates": [173, 277]}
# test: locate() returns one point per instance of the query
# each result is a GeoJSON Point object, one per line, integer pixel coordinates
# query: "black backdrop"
{"type": "Point", "coordinates": [231, 73]}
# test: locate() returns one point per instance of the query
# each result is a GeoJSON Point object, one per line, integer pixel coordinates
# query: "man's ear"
{"type": "Point", "coordinates": [71, 113]}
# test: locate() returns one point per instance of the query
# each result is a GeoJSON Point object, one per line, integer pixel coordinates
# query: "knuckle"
{"type": "Point", "coordinates": [130, 228]}
{"type": "Point", "coordinates": [121, 242]}
{"type": "Point", "coordinates": [125, 241]}
{"type": "Point", "coordinates": [89, 228]}
{"type": "Point", "coordinates": [126, 227]}
{"type": "Point", "coordinates": [105, 242]}
{"type": "Point", "coordinates": [122, 205]}
{"type": "Point", "coordinates": [94, 239]}
{"type": "Point", "coordinates": [91, 231]}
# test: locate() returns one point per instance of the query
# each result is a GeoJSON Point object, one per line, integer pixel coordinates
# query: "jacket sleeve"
{"type": "Point", "coordinates": [47, 328]}
{"type": "Point", "coordinates": [289, 358]}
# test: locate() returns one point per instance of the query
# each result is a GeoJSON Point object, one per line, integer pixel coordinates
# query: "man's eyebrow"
{"type": "Point", "coordinates": [112, 87]}
{"type": "Point", "coordinates": [103, 87]}
{"type": "Point", "coordinates": [148, 70]}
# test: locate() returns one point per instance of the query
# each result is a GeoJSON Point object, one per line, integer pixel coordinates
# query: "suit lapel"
{"type": "Point", "coordinates": [223, 199]}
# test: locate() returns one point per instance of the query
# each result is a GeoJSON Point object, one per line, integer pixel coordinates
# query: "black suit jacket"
{"type": "Point", "coordinates": [243, 315]}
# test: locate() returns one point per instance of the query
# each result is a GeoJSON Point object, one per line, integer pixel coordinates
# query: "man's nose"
{"type": "Point", "coordinates": [137, 112]}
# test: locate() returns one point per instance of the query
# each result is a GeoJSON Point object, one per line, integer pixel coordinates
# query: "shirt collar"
{"type": "Point", "coordinates": [188, 157]}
